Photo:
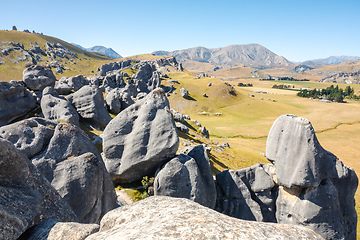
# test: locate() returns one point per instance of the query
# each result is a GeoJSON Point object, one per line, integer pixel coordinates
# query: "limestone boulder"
{"type": "Point", "coordinates": [187, 176]}
{"type": "Point", "coordinates": [15, 101]}
{"type": "Point", "coordinates": [56, 230]}
{"type": "Point", "coordinates": [113, 100]}
{"type": "Point", "coordinates": [184, 92]}
{"type": "Point", "coordinates": [140, 138]}
{"type": "Point", "coordinates": [90, 105]}
{"type": "Point", "coordinates": [74, 166]}
{"type": "Point", "coordinates": [29, 136]}
{"type": "Point", "coordinates": [177, 218]}
{"type": "Point", "coordinates": [247, 193]}
{"type": "Point", "coordinates": [27, 198]}
{"type": "Point", "coordinates": [182, 127]}
{"type": "Point", "coordinates": [299, 159]}
{"type": "Point", "coordinates": [37, 78]}
{"type": "Point", "coordinates": [57, 108]}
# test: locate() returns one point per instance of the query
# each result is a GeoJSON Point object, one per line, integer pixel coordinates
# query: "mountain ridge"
{"type": "Point", "coordinates": [100, 49]}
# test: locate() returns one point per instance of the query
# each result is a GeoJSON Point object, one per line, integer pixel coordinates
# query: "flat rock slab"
{"type": "Point", "coordinates": [178, 218]}
{"type": "Point", "coordinates": [140, 139]}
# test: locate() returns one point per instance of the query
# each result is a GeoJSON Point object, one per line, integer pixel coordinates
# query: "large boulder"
{"type": "Point", "coordinates": [15, 101]}
{"type": "Point", "coordinates": [187, 176]}
{"type": "Point", "coordinates": [37, 78]}
{"type": "Point", "coordinates": [247, 193]}
{"type": "Point", "coordinates": [90, 104]}
{"type": "Point", "coordinates": [27, 198]}
{"type": "Point", "coordinates": [184, 92]}
{"type": "Point", "coordinates": [177, 218]}
{"type": "Point", "coordinates": [299, 159]}
{"type": "Point", "coordinates": [57, 108]}
{"type": "Point", "coordinates": [140, 138]}
{"type": "Point", "coordinates": [56, 230]}
{"type": "Point", "coordinates": [66, 85]}
{"type": "Point", "coordinates": [316, 189]}
{"type": "Point", "coordinates": [74, 166]}
{"type": "Point", "coordinates": [113, 100]}
{"type": "Point", "coordinates": [29, 136]}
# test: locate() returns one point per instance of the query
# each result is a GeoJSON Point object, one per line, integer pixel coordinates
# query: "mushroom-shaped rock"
{"type": "Point", "coordinates": [140, 138]}
{"type": "Point", "coordinates": [90, 104]}
{"type": "Point", "coordinates": [29, 136]}
{"type": "Point", "coordinates": [15, 101]}
{"type": "Point", "coordinates": [187, 176]}
{"type": "Point", "coordinates": [163, 217]}
{"type": "Point", "coordinates": [37, 78]}
{"type": "Point", "coordinates": [27, 198]}
{"type": "Point", "coordinates": [57, 108]}
{"type": "Point", "coordinates": [247, 193]}
{"type": "Point", "coordinates": [75, 168]}
{"type": "Point", "coordinates": [299, 159]}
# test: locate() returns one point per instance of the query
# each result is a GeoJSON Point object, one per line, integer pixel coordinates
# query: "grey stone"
{"type": "Point", "coordinates": [180, 67]}
{"type": "Point", "coordinates": [247, 193]}
{"type": "Point", "coordinates": [140, 138]}
{"type": "Point", "coordinates": [177, 116]}
{"type": "Point", "coordinates": [225, 145]}
{"type": "Point", "coordinates": [37, 78]}
{"type": "Point", "coordinates": [27, 198]}
{"type": "Point", "coordinates": [204, 95]}
{"type": "Point", "coordinates": [187, 176]}
{"type": "Point", "coordinates": [299, 159]}
{"type": "Point", "coordinates": [74, 166]}
{"type": "Point", "coordinates": [176, 218]}
{"type": "Point", "coordinates": [187, 117]}
{"type": "Point", "coordinates": [15, 101]}
{"type": "Point", "coordinates": [182, 127]}
{"type": "Point", "coordinates": [184, 93]}
{"type": "Point", "coordinates": [113, 101]}
{"type": "Point", "coordinates": [204, 132]}
{"type": "Point", "coordinates": [29, 136]}
{"type": "Point", "coordinates": [90, 104]}
{"type": "Point", "coordinates": [209, 85]}
{"type": "Point", "coordinates": [55, 230]}
{"type": "Point", "coordinates": [57, 108]}
{"type": "Point", "coordinates": [114, 80]}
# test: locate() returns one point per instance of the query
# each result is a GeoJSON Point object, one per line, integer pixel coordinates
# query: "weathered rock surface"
{"type": "Point", "coordinates": [178, 116]}
{"type": "Point", "coordinates": [187, 176]}
{"type": "Point", "coordinates": [299, 159]}
{"type": "Point", "coordinates": [113, 100]}
{"type": "Point", "coordinates": [57, 108]}
{"type": "Point", "coordinates": [204, 131]}
{"type": "Point", "coordinates": [140, 138]}
{"type": "Point", "coordinates": [37, 78]}
{"type": "Point", "coordinates": [15, 101]}
{"type": "Point", "coordinates": [184, 92]}
{"type": "Point", "coordinates": [247, 193]}
{"type": "Point", "coordinates": [182, 127]}
{"type": "Point", "coordinates": [75, 168]}
{"type": "Point", "coordinates": [54, 230]}
{"type": "Point", "coordinates": [27, 198]}
{"type": "Point", "coordinates": [176, 218]}
{"type": "Point", "coordinates": [89, 103]}
{"type": "Point", "coordinates": [316, 188]}
{"type": "Point", "coordinates": [29, 136]}
{"type": "Point", "coordinates": [66, 85]}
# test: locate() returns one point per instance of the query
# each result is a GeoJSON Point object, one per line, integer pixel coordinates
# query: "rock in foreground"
{"type": "Point", "coordinates": [175, 218]}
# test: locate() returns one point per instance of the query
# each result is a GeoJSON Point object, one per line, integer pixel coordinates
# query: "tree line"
{"type": "Point", "coordinates": [330, 93]}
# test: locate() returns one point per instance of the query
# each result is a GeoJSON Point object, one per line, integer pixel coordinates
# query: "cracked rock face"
{"type": "Point", "coordinates": [37, 78]}
{"type": "Point", "coordinates": [177, 218]}
{"type": "Point", "coordinates": [140, 138]}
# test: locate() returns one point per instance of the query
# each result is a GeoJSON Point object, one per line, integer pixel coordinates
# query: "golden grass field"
{"type": "Point", "coordinates": [245, 121]}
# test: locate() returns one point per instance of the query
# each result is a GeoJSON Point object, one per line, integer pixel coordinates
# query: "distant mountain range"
{"type": "Point", "coordinates": [100, 49]}
{"type": "Point", "coordinates": [328, 61]}
{"type": "Point", "coordinates": [248, 55]}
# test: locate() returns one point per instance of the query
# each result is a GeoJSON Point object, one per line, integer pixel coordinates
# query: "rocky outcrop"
{"type": "Point", "coordinates": [316, 189]}
{"type": "Point", "coordinates": [343, 77]}
{"type": "Point", "coordinates": [115, 66]}
{"type": "Point", "coordinates": [89, 103]}
{"type": "Point", "coordinates": [15, 101]}
{"type": "Point", "coordinates": [184, 92]}
{"type": "Point", "coordinates": [55, 230]}
{"type": "Point", "coordinates": [182, 127]}
{"type": "Point", "coordinates": [27, 197]}
{"type": "Point", "coordinates": [37, 78]}
{"type": "Point", "coordinates": [140, 138]}
{"type": "Point", "coordinates": [175, 218]}
{"type": "Point", "coordinates": [247, 193]}
{"type": "Point", "coordinates": [57, 108]}
{"type": "Point", "coordinates": [29, 136]}
{"type": "Point", "coordinates": [187, 176]}
{"type": "Point", "coordinates": [66, 85]}
{"type": "Point", "coordinates": [74, 166]}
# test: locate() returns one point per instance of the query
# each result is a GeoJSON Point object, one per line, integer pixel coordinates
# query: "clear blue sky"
{"type": "Point", "coordinates": [297, 30]}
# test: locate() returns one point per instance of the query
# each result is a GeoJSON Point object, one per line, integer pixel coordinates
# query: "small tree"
{"type": "Point", "coordinates": [14, 28]}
